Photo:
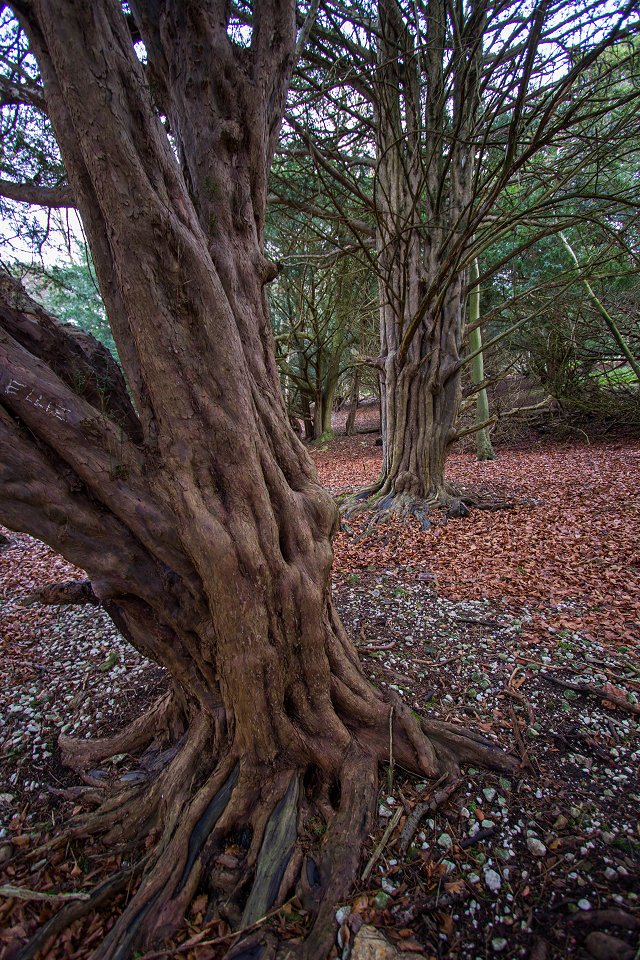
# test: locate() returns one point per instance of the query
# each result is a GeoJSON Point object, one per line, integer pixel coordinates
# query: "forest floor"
{"type": "Point", "coordinates": [490, 620]}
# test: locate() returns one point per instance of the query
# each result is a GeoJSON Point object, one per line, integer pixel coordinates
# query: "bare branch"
{"type": "Point", "coordinates": [15, 94]}
{"type": "Point", "coordinates": [53, 197]}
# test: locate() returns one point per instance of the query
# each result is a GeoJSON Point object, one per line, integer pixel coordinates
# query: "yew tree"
{"type": "Point", "coordinates": [437, 130]}
{"type": "Point", "coordinates": [180, 487]}
{"type": "Point", "coordinates": [319, 313]}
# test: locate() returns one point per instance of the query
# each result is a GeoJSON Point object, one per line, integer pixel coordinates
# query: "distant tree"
{"type": "Point", "coordinates": [318, 313]}
{"type": "Point", "coordinates": [582, 332]}
{"type": "Point", "coordinates": [484, 448]}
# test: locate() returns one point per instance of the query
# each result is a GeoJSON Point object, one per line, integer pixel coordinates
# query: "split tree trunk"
{"type": "Point", "coordinates": [420, 379]}
{"type": "Point", "coordinates": [195, 510]}
{"type": "Point", "coordinates": [420, 403]}
{"type": "Point", "coordinates": [423, 194]}
{"type": "Point", "coordinates": [307, 418]}
{"type": "Point", "coordinates": [419, 414]}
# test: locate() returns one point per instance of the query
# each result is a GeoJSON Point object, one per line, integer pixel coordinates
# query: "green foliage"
{"type": "Point", "coordinates": [324, 438]}
{"type": "Point", "coordinates": [69, 291]}
{"type": "Point", "coordinates": [322, 305]}
{"type": "Point", "coordinates": [28, 150]}
{"type": "Point", "coordinates": [577, 174]}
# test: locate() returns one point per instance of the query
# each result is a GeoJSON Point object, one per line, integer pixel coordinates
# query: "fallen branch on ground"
{"type": "Point", "coordinates": [376, 647]}
{"type": "Point", "coordinates": [595, 691]}
{"type": "Point", "coordinates": [198, 940]}
{"type": "Point", "coordinates": [477, 837]}
{"type": "Point", "coordinates": [21, 893]}
{"type": "Point", "coordinates": [418, 812]}
{"type": "Point", "coordinates": [523, 753]}
{"type": "Point", "coordinates": [393, 823]}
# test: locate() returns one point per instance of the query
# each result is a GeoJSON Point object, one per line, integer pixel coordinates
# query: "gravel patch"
{"type": "Point", "coordinates": [508, 863]}
{"type": "Point", "coordinates": [66, 670]}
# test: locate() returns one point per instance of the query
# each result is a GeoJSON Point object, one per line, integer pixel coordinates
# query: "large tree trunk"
{"type": "Point", "coordinates": [420, 380]}
{"type": "Point", "coordinates": [328, 401]}
{"type": "Point", "coordinates": [420, 403]}
{"type": "Point", "coordinates": [195, 511]}
{"type": "Point", "coordinates": [307, 418]}
{"type": "Point", "coordinates": [424, 185]}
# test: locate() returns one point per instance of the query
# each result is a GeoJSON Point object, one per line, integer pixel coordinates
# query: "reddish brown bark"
{"type": "Point", "coordinates": [195, 511]}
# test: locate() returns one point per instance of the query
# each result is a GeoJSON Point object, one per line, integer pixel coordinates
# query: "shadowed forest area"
{"type": "Point", "coordinates": [319, 480]}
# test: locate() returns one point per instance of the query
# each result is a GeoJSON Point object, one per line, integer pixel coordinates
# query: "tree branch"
{"type": "Point", "coordinates": [53, 197]}
{"type": "Point", "coordinates": [456, 435]}
{"type": "Point", "coordinates": [84, 364]}
{"type": "Point", "coordinates": [17, 94]}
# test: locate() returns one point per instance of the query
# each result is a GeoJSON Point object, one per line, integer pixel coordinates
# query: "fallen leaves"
{"type": "Point", "coordinates": [567, 552]}
{"type": "Point", "coordinates": [617, 693]}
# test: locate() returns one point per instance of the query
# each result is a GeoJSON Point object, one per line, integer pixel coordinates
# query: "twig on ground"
{"type": "Point", "coordinates": [418, 812]}
{"type": "Point", "coordinates": [614, 677]}
{"type": "Point", "coordinates": [514, 673]}
{"type": "Point", "coordinates": [21, 893]}
{"type": "Point", "coordinates": [375, 647]}
{"type": "Point", "coordinates": [520, 744]}
{"type": "Point", "coordinates": [522, 700]}
{"type": "Point", "coordinates": [594, 691]}
{"type": "Point", "coordinates": [393, 823]}
{"type": "Point", "coordinates": [477, 837]}
{"type": "Point", "coordinates": [195, 942]}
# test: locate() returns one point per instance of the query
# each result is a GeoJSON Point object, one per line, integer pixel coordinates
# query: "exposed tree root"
{"type": "Point", "coordinates": [384, 506]}
{"type": "Point", "coordinates": [83, 754]}
{"type": "Point", "coordinates": [212, 820]}
{"type": "Point", "coordinates": [381, 502]}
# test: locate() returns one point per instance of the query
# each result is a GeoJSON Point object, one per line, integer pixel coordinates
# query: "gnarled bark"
{"type": "Point", "coordinates": [424, 187]}
{"type": "Point", "coordinates": [195, 510]}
